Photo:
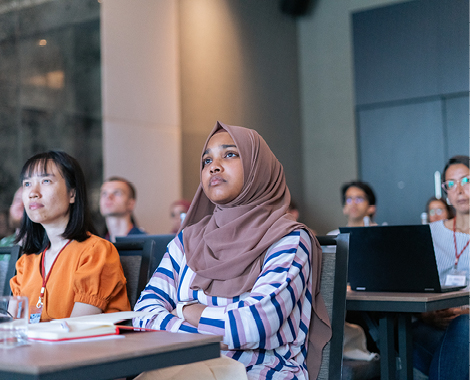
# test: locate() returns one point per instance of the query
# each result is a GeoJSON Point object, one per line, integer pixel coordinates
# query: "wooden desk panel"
{"type": "Point", "coordinates": [107, 359]}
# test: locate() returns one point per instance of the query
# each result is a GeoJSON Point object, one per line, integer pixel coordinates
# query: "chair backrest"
{"type": "Point", "coordinates": [333, 284]}
{"type": "Point", "coordinates": [161, 241]}
{"type": "Point", "coordinates": [7, 267]}
{"type": "Point", "coordinates": [135, 259]}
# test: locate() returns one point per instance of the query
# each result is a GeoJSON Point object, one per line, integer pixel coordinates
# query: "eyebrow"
{"type": "Point", "coordinates": [224, 146]}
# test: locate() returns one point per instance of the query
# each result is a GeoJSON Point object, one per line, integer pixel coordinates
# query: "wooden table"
{"type": "Point", "coordinates": [106, 359]}
{"type": "Point", "coordinates": [399, 307]}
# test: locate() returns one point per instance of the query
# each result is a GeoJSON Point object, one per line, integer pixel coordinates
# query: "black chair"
{"type": "Point", "coordinates": [161, 242]}
{"type": "Point", "coordinates": [7, 269]}
{"type": "Point", "coordinates": [333, 284]}
{"type": "Point", "coordinates": [135, 259]}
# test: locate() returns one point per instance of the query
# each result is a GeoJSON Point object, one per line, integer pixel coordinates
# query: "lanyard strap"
{"type": "Point", "coordinates": [43, 271]}
{"type": "Point", "coordinates": [457, 255]}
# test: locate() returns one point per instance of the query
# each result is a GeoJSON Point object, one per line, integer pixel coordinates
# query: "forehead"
{"type": "Point", "coordinates": [457, 171]}
{"type": "Point", "coordinates": [115, 185]}
{"type": "Point", "coordinates": [220, 138]}
{"type": "Point", "coordinates": [354, 191]}
{"type": "Point", "coordinates": [436, 204]}
{"type": "Point", "coordinates": [41, 168]}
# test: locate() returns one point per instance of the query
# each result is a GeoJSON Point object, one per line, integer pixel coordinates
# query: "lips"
{"type": "Point", "coordinates": [35, 206]}
{"type": "Point", "coordinates": [216, 180]}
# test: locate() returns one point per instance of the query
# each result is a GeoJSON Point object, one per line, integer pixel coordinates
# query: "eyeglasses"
{"type": "Point", "coordinates": [356, 200]}
{"type": "Point", "coordinates": [451, 184]}
{"type": "Point", "coordinates": [436, 211]}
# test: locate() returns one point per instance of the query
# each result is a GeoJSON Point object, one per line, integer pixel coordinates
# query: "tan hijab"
{"type": "Point", "coordinates": [225, 244]}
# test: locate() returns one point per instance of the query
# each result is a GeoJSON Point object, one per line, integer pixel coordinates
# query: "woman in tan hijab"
{"type": "Point", "coordinates": [241, 266]}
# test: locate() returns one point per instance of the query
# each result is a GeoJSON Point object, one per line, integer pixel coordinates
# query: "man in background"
{"type": "Point", "coordinates": [117, 204]}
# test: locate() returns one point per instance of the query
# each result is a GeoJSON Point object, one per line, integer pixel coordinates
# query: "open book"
{"type": "Point", "coordinates": [87, 326]}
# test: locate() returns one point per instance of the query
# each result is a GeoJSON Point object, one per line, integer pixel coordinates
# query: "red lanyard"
{"type": "Point", "coordinates": [46, 278]}
{"type": "Point", "coordinates": [457, 255]}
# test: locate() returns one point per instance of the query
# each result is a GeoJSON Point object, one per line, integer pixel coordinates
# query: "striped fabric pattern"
{"type": "Point", "coordinates": [265, 329]}
{"type": "Point", "coordinates": [444, 249]}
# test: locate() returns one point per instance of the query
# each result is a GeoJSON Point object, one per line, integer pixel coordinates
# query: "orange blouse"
{"type": "Point", "coordinates": [89, 272]}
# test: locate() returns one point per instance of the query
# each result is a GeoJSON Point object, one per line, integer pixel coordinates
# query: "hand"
{"type": "Point", "coordinates": [192, 313]}
{"type": "Point", "coordinates": [441, 318]}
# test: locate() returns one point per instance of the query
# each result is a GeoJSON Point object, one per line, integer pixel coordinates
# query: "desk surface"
{"type": "Point", "coordinates": [405, 302]}
{"type": "Point", "coordinates": [109, 358]}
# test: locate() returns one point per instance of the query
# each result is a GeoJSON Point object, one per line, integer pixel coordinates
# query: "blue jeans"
{"type": "Point", "coordinates": [442, 354]}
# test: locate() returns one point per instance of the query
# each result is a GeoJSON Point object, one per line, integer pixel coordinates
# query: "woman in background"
{"type": "Point", "coordinates": [440, 338]}
{"type": "Point", "coordinates": [242, 267]}
{"type": "Point", "coordinates": [438, 209]}
{"type": "Point", "coordinates": [65, 271]}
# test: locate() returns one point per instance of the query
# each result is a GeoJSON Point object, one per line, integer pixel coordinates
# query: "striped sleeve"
{"type": "Point", "coordinates": [273, 313]}
{"type": "Point", "coordinates": [160, 294]}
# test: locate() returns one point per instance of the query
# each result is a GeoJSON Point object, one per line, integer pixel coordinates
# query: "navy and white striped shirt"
{"type": "Point", "coordinates": [266, 329]}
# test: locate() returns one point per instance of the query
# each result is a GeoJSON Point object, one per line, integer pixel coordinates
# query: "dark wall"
{"type": "Point", "coordinates": [412, 83]}
{"type": "Point", "coordinates": [50, 95]}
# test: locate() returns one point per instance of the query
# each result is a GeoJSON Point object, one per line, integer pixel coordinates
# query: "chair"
{"type": "Point", "coordinates": [333, 283]}
{"type": "Point", "coordinates": [161, 242]}
{"type": "Point", "coordinates": [135, 259]}
{"type": "Point", "coordinates": [7, 269]}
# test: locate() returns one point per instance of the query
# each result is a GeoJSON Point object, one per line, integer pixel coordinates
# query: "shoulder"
{"type": "Point", "coordinates": [8, 241]}
{"type": "Point", "coordinates": [94, 243]}
{"type": "Point", "coordinates": [137, 231]}
{"type": "Point", "coordinates": [438, 228]}
{"type": "Point", "coordinates": [298, 238]}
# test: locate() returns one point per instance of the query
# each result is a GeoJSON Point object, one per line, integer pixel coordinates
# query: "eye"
{"type": "Point", "coordinates": [450, 184]}
{"type": "Point", "coordinates": [465, 180]}
{"type": "Point", "coordinates": [26, 184]}
{"type": "Point", "coordinates": [231, 154]}
{"type": "Point", "coordinates": [46, 180]}
{"type": "Point", "coordinates": [206, 161]}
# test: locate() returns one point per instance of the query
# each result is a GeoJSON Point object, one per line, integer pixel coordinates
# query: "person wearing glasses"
{"type": "Point", "coordinates": [440, 338]}
{"type": "Point", "coordinates": [358, 205]}
{"type": "Point", "coordinates": [438, 209]}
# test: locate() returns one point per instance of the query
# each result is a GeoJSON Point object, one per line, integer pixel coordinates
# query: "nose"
{"type": "Point", "coordinates": [215, 166]}
{"type": "Point", "coordinates": [33, 190]}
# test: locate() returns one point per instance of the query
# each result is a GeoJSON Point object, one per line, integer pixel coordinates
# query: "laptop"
{"type": "Point", "coordinates": [393, 259]}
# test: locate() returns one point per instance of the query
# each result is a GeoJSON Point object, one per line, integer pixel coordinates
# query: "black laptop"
{"type": "Point", "coordinates": [393, 259]}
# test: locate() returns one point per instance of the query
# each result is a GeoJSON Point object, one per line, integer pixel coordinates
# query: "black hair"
{"type": "Point", "coordinates": [450, 210]}
{"type": "Point", "coordinates": [33, 235]}
{"type": "Point", "coordinates": [464, 160]}
{"type": "Point", "coordinates": [365, 187]}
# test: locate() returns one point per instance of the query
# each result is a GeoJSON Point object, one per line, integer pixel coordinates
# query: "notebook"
{"type": "Point", "coordinates": [393, 259]}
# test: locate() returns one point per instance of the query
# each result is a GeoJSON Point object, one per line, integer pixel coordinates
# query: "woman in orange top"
{"type": "Point", "coordinates": [66, 271]}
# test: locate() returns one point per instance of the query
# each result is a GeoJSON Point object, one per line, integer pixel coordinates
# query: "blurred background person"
{"type": "Point", "coordinates": [440, 338]}
{"type": "Point", "coordinates": [117, 204]}
{"type": "Point", "coordinates": [4, 227]}
{"type": "Point", "coordinates": [178, 211]}
{"type": "Point", "coordinates": [438, 209]}
{"type": "Point", "coordinates": [15, 215]}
